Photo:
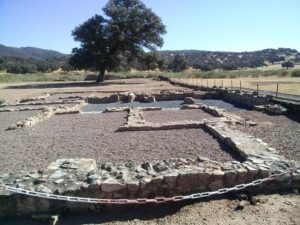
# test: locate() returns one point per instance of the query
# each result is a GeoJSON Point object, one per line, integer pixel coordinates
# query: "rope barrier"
{"type": "Point", "coordinates": [156, 200]}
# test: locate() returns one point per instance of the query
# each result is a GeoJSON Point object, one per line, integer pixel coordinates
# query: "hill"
{"type": "Point", "coordinates": [29, 52]}
{"type": "Point", "coordinates": [31, 60]}
{"type": "Point", "coordinates": [210, 60]}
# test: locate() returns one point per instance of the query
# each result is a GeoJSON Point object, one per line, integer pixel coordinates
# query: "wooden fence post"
{"type": "Point", "coordinates": [277, 90]}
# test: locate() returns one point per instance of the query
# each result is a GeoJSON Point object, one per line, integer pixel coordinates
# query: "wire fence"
{"type": "Point", "coordinates": [274, 88]}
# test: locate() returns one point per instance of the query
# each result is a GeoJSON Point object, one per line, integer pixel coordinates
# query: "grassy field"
{"type": "Point", "coordinates": [289, 85]}
{"type": "Point", "coordinates": [17, 78]}
{"type": "Point", "coordinates": [266, 80]}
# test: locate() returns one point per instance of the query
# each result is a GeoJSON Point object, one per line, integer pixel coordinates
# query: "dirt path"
{"type": "Point", "coordinates": [10, 92]}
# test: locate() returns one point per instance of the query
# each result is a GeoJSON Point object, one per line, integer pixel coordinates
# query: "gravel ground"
{"type": "Point", "coordinates": [94, 136]}
{"type": "Point", "coordinates": [176, 115]}
{"type": "Point", "coordinates": [280, 132]}
{"type": "Point", "coordinates": [163, 104]}
{"type": "Point", "coordinates": [8, 118]}
{"type": "Point", "coordinates": [272, 210]}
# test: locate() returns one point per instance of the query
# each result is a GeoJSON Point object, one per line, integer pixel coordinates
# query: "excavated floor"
{"type": "Point", "coordinates": [94, 136]}
{"type": "Point", "coordinates": [280, 132]}
{"type": "Point", "coordinates": [163, 104]}
{"type": "Point", "coordinates": [163, 116]}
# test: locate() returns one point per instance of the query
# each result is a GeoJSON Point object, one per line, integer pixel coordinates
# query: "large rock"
{"type": "Point", "coordinates": [189, 100]}
{"type": "Point", "coordinates": [149, 99]}
{"type": "Point", "coordinates": [131, 97]}
{"type": "Point", "coordinates": [111, 185]}
{"type": "Point", "coordinates": [275, 109]}
{"type": "Point", "coordinates": [80, 166]}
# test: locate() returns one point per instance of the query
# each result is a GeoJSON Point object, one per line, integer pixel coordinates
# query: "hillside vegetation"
{"type": "Point", "coordinates": [212, 63]}
{"type": "Point", "coordinates": [31, 60]}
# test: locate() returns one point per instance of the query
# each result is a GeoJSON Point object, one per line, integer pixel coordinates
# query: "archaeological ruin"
{"type": "Point", "coordinates": [80, 151]}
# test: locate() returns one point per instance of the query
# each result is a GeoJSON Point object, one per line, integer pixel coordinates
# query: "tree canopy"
{"type": "Point", "coordinates": [287, 64]}
{"type": "Point", "coordinates": [179, 63]}
{"type": "Point", "coordinates": [128, 27]}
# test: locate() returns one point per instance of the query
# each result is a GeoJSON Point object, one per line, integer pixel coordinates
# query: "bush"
{"type": "Point", "coordinates": [283, 74]}
{"type": "Point", "coordinates": [232, 76]}
{"type": "Point", "coordinates": [14, 69]}
{"type": "Point", "coordinates": [296, 73]}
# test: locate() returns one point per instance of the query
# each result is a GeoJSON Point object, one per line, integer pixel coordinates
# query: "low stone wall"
{"type": "Point", "coordinates": [244, 98]}
{"type": "Point", "coordinates": [155, 96]}
{"type": "Point", "coordinates": [19, 109]}
{"type": "Point", "coordinates": [84, 178]}
{"type": "Point", "coordinates": [293, 107]}
{"type": "Point", "coordinates": [45, 114]}
{"type": "Point", "coordinates": [35, 103]}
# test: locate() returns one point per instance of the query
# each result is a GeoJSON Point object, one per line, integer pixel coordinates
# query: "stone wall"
{"type": "Point", "coordinates": [84, 178]}
{"type": "Point", "coordinates": [293, 107]}
{"type": "Point", "coordinates": [248, 99]}
{"type": "Point", "coordinates": [155, 96]}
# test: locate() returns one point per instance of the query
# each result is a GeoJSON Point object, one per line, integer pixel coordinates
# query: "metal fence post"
{"type": "Point", "coordinates": [231, 85]}
{"type": "Point", "coordinates": [240, 85]}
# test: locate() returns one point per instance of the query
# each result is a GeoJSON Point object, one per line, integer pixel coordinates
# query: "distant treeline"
{"type": "Point", "coordinates": [208, 61]}
{"type": "Point", "coordinates": [31, 65]}
{"type": "Point", "coordinates": [33, 60]}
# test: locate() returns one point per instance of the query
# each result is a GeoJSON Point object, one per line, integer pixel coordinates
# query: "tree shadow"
{"type": "Point", "coordinates": [76, 84]}
{"type": "Point", "coordinates": [112, 214]}
{"type": "Point", "coordinates": [140, 212]}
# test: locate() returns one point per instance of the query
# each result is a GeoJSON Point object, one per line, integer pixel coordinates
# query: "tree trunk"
{"type": "Point", "coordinates": [101, 75]}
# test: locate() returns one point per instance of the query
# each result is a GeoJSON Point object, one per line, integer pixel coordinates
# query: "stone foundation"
{"type": "Point", "coordinates": [45, 114]}
{"type": "Point", "coordinates": [248, 99]}
{"type": "Point", "coordinates": [82, 177]}
{"type": "Point", "coordinates": [167, 178]}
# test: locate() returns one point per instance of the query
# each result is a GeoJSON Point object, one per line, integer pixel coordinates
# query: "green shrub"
{"type": "Point", "coordinates": [255, 75]}
{"type": "Point", "coordinates": [283, 73]}
{"type": "Point", "coordinates": [232, 76]}
{"type": "Point", "coordinates": [296, 73]}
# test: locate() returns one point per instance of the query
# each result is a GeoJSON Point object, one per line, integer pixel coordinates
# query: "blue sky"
{"type": "Point", "coordinates": [221, 25]}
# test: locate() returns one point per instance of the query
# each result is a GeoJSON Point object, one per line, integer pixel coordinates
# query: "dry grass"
{"type": "Point", "coordinates": [290, 85]}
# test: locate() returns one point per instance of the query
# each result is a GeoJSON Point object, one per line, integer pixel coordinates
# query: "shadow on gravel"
{"type": "Point", "coordinates": [115, 214]}
{"type": "Point", "coordinates": [67, 84]}
{"type": "Point", "coordinates": [295, 118]}
{"type": "Point", "coordinates": [142, 213]}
